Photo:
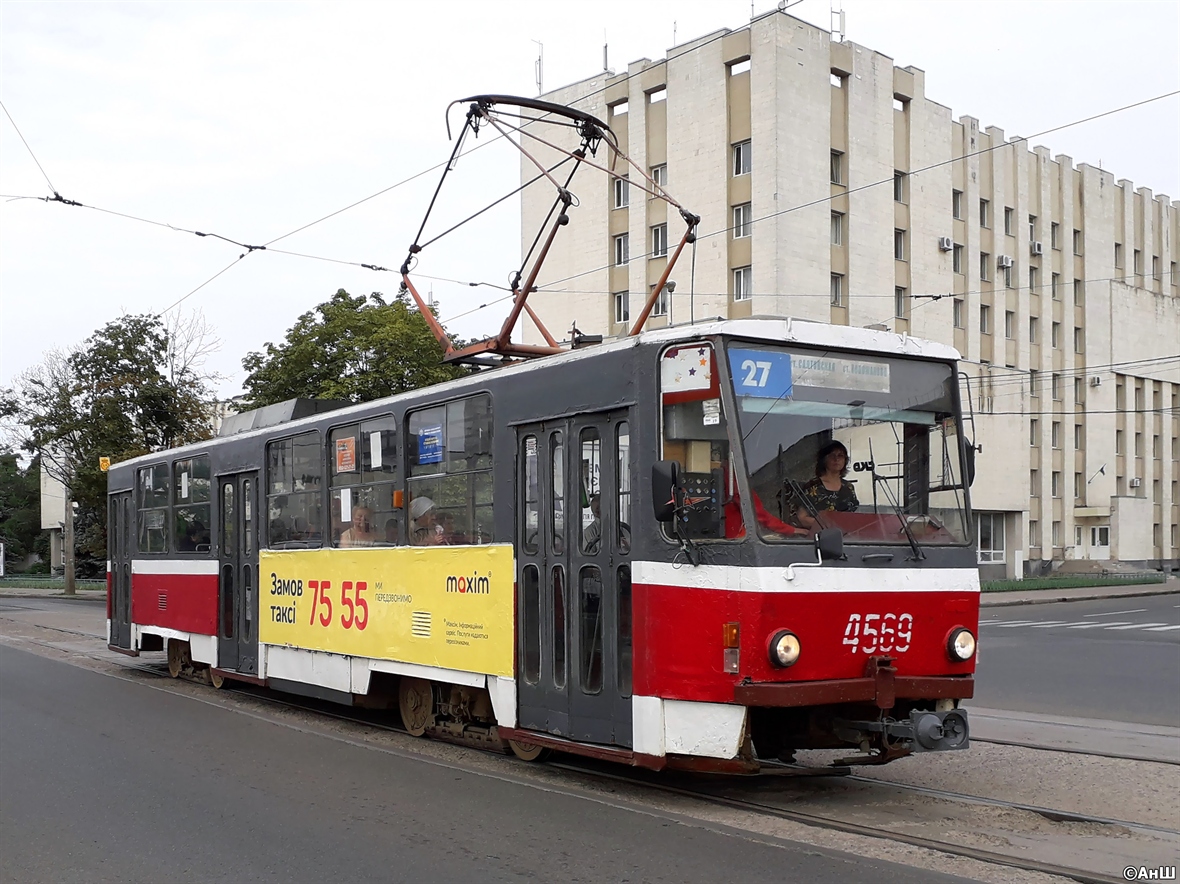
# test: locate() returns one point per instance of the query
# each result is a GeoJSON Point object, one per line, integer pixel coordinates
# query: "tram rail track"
{"type": "Point", "coordinates": [647, 781]}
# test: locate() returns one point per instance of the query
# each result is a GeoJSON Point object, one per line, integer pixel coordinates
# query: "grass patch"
{"type": "Point", "coordinates": [1072, 581]}
{"type": "Point", "coordinates": [19, 581]}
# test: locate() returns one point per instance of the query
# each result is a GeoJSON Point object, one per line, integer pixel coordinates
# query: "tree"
{"type": "Point", "coordinates": [350, 347]}
{"type": "Point", "coordinates": [133, 387]}
{"type": "Point", "coordinates": [20, 508]}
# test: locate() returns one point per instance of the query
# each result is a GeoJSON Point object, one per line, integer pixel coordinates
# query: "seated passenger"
{"type": "Point", "coordinates": [361, 532]}
{"type": "Point", "coordinates": [829, 491]}
{"type": "Point", "coordinates": [425, 530]}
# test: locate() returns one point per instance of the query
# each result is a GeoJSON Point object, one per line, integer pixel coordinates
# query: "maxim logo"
{"type": "Point", "coordinates": [473, 584]}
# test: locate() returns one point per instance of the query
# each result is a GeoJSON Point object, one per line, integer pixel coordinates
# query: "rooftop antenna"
{"type": "Point", "coordinates": [605, 66]}
{"type": "Point", "coordinates": [540, 66]}
{"type": "Point", "coordinates": [673, 32]}
{"type": "Point", "coordinates": [836, 9]}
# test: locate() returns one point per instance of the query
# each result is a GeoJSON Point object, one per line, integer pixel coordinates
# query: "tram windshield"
{"type": "Point", "coordinates": [866, 444]}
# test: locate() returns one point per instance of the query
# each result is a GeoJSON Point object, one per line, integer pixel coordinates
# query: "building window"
{"type": "Point", "coordinates": [1155, 267]}
{"type": "Point", "coordinates": [1055, 434]}
{"type": "Point", "coordinates": [837, 79]}
{"type": "Point", "coordinates": [1055, 286]}
{"type": "Point", "coordinates": [1055, 235]}
{"type": "Point", "coordinates": [1118, 441]}
{"type": "Point", "coordinates": [899, 245]}
{"type": "Point", "coordinates": [1032, 329]}
{"type": "Point", "coordinates": [743, 284]}
{"type": "Point", "coordinates": [957, 312]}
{"type": "Point", "coordinates": [743, 220]}
{"type": "Point", "coordinates": [742, 158]}
{"type": "Point", "coordinates": [957, 258]}
{"type": "Point", "coordinates": [1032, 280]}
{"type": "Point", "coordinates": [1079, 391]}
{"type": "Point", "coordinates": [1034, 480]}
{"type": "Point", "coordinates": [1079, 340]}
{"type": "Point", "coordinates": [1118, 255]}
{"type": "Point", "coordinates": [622, 193]}
{"type": "Point", "coordinates": [622, 306]}
{"type": "Point", "coordinates": [659, 175]}
{"type": "Point", "coordinates": [1079, 485]}
{"type": "Point", "coordinates": [1077, 242]}
{"type": "Point", "coordinates": [899, 187]}
{"type": "Point", "coordinates": [1055, 481]}
{"type": "Point", "coordinates": [837, 228]}
{"type": "Point", "coordinates": [1055, 335]}
{"type": "Point", "coordinates": [622, 249]}
{"type": "Point", "coordinates": [1056, 385]}
{"type": "Point", "coordinates": [1079, 437]}
{"type": "Point", "coordinates": [1034, 532]}
{"type": "Point", "coordinates": [1138, 265]}
{"type": "Point", "coordinates": [1008, 276]}
{"type": "Point", "coordinates": [1139, 445]}
{"type": "Point", "coordinates": [984, 213]}
{"type": "Point", "coordinates": [1034, 382]}
{"type": "Point", "coordinates": [1034, 428]}
{"type": "Point", "coordinates": [659, 241]}
{"type": "Point", "coordinates": [660, 308]}
{"type": "Point", "coordinates": [991, 538]}
{"type": "Point", "coordinates": [985, 319]}
{"type": "Point", "coordinates": [984, 270]}
{"type": "Point", "coordinates": [837, 167]}
{"type": "Point", "coordinates": [1056, 534]}
{"type": "Point", "coordinates": [899, 302]}
{"type": "Point", "coordinates": [957, 204]}
{"type": "Point", "coordinates": [837, 289]}
{"type": "Point", "coordinates": [1032, 228]}
{"type": "Point", "coordinates": [1079, 291]}
{"type": "Point", "coordinates": [1009, 220]}
{"type": "Point", "coordinates": [1009, 322]}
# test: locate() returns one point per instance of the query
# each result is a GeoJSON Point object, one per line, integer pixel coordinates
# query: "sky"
{"type": "Point", "coordinates": [252, 120]}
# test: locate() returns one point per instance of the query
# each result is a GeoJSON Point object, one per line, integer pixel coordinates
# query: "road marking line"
{"type": "Point", "coordinates": [1007, 623]}
{"type": "Point", "coordinates": [1162, 628]}
{"type": "Point", "coordinates": [1023, 623]}
{"type": "Point", "coordinates": [1116, 613]}
{"type": "Point", "coordinates": [1096, 625]}
{"type": "Point", "coordinates": [1136, 626]}
{"type": "Point", "coordinates": [1076, 623]}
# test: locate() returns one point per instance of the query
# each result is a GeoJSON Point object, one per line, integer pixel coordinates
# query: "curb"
{"type": "Point", "coordinates": [1084, 598]}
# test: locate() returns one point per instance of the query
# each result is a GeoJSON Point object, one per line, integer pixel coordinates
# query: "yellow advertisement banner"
{"type": "Point", "coordinates": [450, 607]}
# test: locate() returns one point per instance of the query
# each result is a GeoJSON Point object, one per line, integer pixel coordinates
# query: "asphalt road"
{"type": "Point", "coordinates": [1116, 659]}
{"type": "Point", "coordinates": [103, 779]}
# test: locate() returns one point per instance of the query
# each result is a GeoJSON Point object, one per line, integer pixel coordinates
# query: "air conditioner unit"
{"type": "Point", "coordinates": [1004, 261]}
{"type": "Point", "coordinates": [1035, 249]}
{"type": "Point", "coordinates": [945, 243]}
{"type": "Point", "coordinates": [1136, 482]}
{"type": "Point", "coordinates": [1096, 381]}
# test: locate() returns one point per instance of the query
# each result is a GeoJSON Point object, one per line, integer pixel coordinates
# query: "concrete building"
{"type": "Point", "coordinates": [831, 188]}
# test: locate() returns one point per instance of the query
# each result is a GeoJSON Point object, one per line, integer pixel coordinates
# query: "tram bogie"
{"type": "Point", "coordinates": [639, 551]}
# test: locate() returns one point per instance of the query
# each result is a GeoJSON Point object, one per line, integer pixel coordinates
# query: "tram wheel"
{"type": "Point", "coordinates": [528, 751]}
{"type": "Point", "coordinates": [415, 701]}
{"type": "Point", "coordinates": [179, 658]}
{"type": "Point", "coordinates": [214, 679]}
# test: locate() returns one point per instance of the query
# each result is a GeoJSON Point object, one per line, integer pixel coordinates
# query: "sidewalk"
{"type": "Point", "coordinates": [1047, 596]}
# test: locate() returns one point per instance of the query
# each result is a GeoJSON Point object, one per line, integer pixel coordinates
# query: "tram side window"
{"type": "Point", "coordinates": [294, 506]}
{"type": "Point", "coordinates": [449, 451]}
{"type": "Point", "coordinates": [190, 514]}
{"type": "Point", "coordinates": [362, 461]}
{"type": "Point", "coordinates": [152, 503]}
{"type": "Point", "coordinates": [696, 436]}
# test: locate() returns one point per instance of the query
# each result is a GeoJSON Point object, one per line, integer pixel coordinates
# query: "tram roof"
{"type": "Point", "coordinates": [778, 330]}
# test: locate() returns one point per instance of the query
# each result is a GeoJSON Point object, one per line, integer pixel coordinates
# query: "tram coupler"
{"type": "Point", "coordinates": [923, 731]}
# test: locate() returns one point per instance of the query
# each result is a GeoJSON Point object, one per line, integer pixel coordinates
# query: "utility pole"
{"type": "Point", "coordinates": [68, 541]}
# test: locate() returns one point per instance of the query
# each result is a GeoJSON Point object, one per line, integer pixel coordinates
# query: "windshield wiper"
{"type": "Point", "coordinates": [918, 556]}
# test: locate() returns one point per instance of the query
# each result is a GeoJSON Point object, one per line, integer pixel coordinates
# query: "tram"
{"type": "Point", "coordinates": [621, 550]}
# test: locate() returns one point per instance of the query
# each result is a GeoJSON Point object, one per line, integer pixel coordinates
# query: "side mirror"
{"type": "Point", "coordinates": [970, 462]}
{"type": "Point", "coordinates": [665, 477]}
{"type": "Point", "coordinates": [830, 543]}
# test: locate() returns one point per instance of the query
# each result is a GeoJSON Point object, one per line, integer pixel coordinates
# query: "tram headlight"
{"type": "Point", "coordinates": [784, 648]}
{"type": "Point", "coordinates": [961, 645]}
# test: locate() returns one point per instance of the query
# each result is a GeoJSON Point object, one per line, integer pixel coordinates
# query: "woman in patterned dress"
{"type": "Point", "coordinates": [829, 491]}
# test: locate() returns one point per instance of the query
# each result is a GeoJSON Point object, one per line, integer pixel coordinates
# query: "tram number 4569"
{"type": "Point", "coordinates": [879, 632]}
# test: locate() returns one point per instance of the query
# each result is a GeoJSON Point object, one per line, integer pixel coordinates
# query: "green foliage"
{"type": "Point", "coordinates": [350, 347]}
{"type": "Point", "coordinates": [20, 508]}
{"type": "Point", "coordinates": [132, 387]}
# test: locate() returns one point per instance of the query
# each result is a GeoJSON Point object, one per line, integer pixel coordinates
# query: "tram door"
{"type": "Point", "coordinates": [574, 578]}
{"type": "Point", "coordinates": [237, 630]}
{"type": "Point", "coordinates": [119, 536]}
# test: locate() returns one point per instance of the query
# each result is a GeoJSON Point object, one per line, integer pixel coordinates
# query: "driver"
{"type": "Point", "coordinates": [829, 491]}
